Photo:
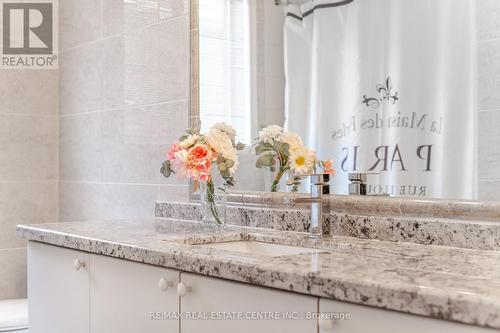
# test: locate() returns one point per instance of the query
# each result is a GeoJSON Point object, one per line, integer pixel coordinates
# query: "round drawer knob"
{"type": "Point", "coordinates": [182, 290]}
{"type": "Point", "coordinates": [77, 264]}
{"type": "Point", "coordinates": [325, 325]}
{"type": "Point", "coordinates": [164, 284]}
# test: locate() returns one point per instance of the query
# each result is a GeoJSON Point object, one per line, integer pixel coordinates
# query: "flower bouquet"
{"type": "Point", "coordinates": [196, 156]}
{"type": "Point", "coordinates": [284, 152]}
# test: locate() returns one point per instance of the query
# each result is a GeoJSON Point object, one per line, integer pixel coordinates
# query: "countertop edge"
{"type": "Point", "coordinates": [423, 303]}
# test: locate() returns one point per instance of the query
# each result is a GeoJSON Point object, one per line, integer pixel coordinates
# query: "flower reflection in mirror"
{"type": "Point", "coordinates": [283, 153]}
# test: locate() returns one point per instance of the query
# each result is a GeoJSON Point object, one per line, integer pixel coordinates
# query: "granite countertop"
{"type": "Point", "coordinates": [437, 281]}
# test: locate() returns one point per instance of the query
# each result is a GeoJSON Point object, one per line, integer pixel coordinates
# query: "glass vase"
{"type": "Point", "coordinates": [275, 180]}
{"type": "Point", "coordinates": [213, 204]}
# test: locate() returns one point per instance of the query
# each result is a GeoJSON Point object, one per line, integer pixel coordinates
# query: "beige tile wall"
{"type": "Point", "coordinates": [28, 166]}
{"type": "Point", "coordinates": [124, 99]}
{"type": "Point", "coordinates": [489, 99]}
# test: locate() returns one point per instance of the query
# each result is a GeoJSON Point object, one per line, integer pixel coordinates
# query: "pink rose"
{"type": "Point", "coordinates": [174, 149]}
{"type": "Point", "coordinates": [199, 162]}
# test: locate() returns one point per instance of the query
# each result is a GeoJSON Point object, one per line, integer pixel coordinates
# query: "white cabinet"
{"type": "Point", "coordinates": [58, 290]}
{"type": "Point", "coordinates": [129, 297]}
{"type": "Point", "coordinates": [72, 291]}
{"type": "Point", "coordinates": [214, 297]}
{"type": "Point", "coordinates": [373, 320]}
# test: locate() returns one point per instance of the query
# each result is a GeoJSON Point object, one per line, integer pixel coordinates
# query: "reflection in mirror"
{"type": "Point", "coordinates": [384, 88]}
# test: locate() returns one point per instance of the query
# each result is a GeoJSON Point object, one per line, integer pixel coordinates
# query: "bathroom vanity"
{"type": "Point", "coordinates": [173, 276]}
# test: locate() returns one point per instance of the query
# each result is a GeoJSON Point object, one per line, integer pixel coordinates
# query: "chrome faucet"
{"type": "Point", "coordinates": [357, 185]}
{"type": "Point", "coordinates": [320, 205]}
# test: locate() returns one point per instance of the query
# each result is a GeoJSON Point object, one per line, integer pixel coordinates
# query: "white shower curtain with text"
{"type": "Point", "coordinates": [387, 87]}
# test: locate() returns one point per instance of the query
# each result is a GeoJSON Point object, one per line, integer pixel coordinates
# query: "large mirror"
{"type": "Point", "coordinates": [382, 87]}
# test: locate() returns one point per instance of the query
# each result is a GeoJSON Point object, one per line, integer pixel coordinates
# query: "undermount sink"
{"type": "Point", "coordinates": [259, 248]}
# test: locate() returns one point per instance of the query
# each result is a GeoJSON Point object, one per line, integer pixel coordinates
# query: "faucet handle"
{"type": "Point", "coordinates": [361, 177]}
{"type": "Point", "coordinates": [320, 178]}
{"type": "Point", "coordinates": [357, 185]}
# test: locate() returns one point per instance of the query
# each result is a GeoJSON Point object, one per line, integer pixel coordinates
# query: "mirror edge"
{"type": "Point", "coordinates": [489, 209]}
{"type": "Point", "coordinates": [194, 78]}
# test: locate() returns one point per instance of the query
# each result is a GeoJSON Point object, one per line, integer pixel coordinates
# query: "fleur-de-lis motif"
{"type": "Point", "coordinates": [386, 94]}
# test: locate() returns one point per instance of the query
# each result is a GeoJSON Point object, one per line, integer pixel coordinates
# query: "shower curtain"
{"type": "Point", "coordinates": [386, 87]}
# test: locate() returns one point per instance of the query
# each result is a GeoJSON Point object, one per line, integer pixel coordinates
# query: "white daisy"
{"type": "Point", "coordinates": [302, 161]}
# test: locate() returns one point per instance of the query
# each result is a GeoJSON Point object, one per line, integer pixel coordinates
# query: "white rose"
{"type": "Point", "coordinates": [189, 141]}
{"type": "Point", "coordinates": [225, 128]}
{"type": "Point", "coordinates": [293, 140]}
{"type": "Point", "coordinates": [219, 141]}
{"type": "Point", "coordinates": [270, 133]}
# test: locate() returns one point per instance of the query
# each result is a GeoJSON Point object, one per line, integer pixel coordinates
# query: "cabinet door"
{"type": "Point", "coordinates": [128, 297]}
{"type": "Point", "coordinates": [58, 289]}
{"type": "Point", "coordinates": [212, 298]}
{"type": "Point", "coordinates": [373, 320]}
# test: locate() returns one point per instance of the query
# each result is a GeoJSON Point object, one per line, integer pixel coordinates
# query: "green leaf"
{"type": "Point", "coordinates": [182, 138]}
{"type": "Point", "coordinates": [294, 181]}
{"type": "Point", "coordinates": [191, 131]}
{"type": "Point", "coordinates": [262, 148]}
{"type": "Point", "coordinates": [240, 146]}
{"type": "Point", "coordinates": [222, 168]}
{"type": "Point", "coordinates": [266, 160]}
{"type": "Point", "coordinates": [225, 173]}
{"type": "Point", "coordinates": [229, 163]}
{"type": "Point", "coordinates": [229, 181]}
{"type": "Point", "coordinates": [282, 147]}
{"type": "Point", "coordinates": [222, 188]}
{"type": "Point", "coordinates": [220, 159]}
{"type": "Point", "coordinates": [166, 169]}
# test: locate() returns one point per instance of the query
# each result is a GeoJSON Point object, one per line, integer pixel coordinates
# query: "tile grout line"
{"type": "Point", "coordinates": [125, 107]}
{"type": "Point", "coordinates": [29, 181]}
{"type": "Point", "coordinates": [13, 248]}
{"type": "Point", "coordinates": [62, 52]}
{"type": "Point", "coordinates": [28, 115]}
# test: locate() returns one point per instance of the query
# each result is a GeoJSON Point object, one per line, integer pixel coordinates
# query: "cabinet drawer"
{"type": "Point", "coordinates": [373, 320]}
{"type": "Point", "coordinates": [207, 295]}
